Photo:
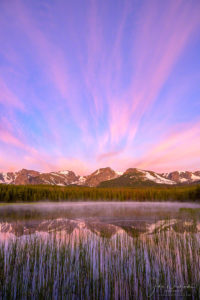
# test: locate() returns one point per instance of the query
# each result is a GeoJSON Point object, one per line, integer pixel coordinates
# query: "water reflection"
{"type": "Point", "coordinates": [102, 219]}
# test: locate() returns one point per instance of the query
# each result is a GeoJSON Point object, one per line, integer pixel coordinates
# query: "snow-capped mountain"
{"type": "Point", "coordinates": [103, 177]}
{"type": "Point", "coordinates": [137, 177]}
{"type": "Point", "coordinates": [183, 176]}
{"type": "Point", "coordinates": [33, 177]}
{"type": "Point", "coordinates": [148, 176]}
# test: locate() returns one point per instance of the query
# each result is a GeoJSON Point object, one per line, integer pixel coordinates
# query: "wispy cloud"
{"type": "Point", "coordinates": [160, 40]}
{"type": "Point", "coordinates": [8, 98]}
{"type": "Point", "coordinates": [86, 83]}
{"type": "Point", "coordinates": [178, 148]}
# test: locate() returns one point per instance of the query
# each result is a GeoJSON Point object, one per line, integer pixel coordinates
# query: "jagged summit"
{"type": "Point", "coordinates": [102, 174]}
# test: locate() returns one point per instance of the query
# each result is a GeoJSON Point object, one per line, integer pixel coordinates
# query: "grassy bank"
{"type": "Point", "coordinates": [36, 193]}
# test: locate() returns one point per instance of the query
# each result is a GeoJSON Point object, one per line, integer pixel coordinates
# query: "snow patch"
{"type": "Point", "coordinates": [164, 180]}
{"type": "Point", "coordinates": [183, 179]}
{"type": "Point", "coordinates": [8, 179]}
{"type": "Point", "coordinates": [119, 173]}
{"type": "Point", "coordinates": [47, 182]}
{"type": "Point", "coordinates": [195, 177]}
{"type": "Point", "coordinates": [64, 172]}
{"type": "Point", "coordinates": [56, 174]}
{"type": "Point", "coordinates": [165, 174]}
{"type": "Point", "coordinates": [82, 179]}
{"type": "Point", "coordinates": [157, 178]}
{"type": "Point", "coordinates": [180, 172]}
{"type": "Point", "coordinates": [97, 172]}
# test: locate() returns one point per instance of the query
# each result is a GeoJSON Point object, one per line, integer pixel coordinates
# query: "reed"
{"type": "Point", "coordinates": [86, 266]}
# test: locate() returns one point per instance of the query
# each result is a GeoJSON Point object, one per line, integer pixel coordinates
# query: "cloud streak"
{"type": "Point", "coordinates": [174, 149]}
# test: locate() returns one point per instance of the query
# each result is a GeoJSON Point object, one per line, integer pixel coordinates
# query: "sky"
{"type": "Point", "coordinates": [90, 84]}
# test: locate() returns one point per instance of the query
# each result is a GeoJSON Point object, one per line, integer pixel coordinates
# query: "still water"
{"type": "Point", "coordinates": [101, 218]}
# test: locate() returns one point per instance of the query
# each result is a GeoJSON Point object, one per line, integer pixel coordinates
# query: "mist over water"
{"type": "Point", "coordinates": [98, 209]}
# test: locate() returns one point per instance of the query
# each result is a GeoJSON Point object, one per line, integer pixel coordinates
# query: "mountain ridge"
{"type": "Point", "coordinates": [101, 177]}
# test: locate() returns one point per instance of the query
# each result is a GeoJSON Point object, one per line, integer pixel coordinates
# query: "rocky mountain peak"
{"type": "Point", "coordinates": [100, 175]}
{"type": "Point", "coordinates": [133, 171]}
{"type": "Point", "coordinates": [23, 176]}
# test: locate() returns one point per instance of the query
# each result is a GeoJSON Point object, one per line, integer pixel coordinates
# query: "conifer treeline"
{"type": "Point", "coordinates": [35, 193]}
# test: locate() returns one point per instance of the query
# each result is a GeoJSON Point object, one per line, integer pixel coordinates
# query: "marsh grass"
{"type": "Point", "coordinates": [86, 266]}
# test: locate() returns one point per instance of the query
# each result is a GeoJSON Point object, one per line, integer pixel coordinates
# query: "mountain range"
{"type": "Point", "coordinates": [104, 177]}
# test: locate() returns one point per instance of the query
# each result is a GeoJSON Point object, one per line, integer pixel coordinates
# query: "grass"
{"type": "Point", "coordinates": [86, 266]}
{"type": "Point", "coordinates": [190, 211]}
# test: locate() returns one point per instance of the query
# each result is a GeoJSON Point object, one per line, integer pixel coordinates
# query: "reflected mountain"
{"type": "Point", "coordinates": [101, 219]}
{"type": "Point", "coordinates": [97, 227]}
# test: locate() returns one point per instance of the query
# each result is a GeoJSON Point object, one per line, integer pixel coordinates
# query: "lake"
{"type": "Point", "coordinates": [86, 250]}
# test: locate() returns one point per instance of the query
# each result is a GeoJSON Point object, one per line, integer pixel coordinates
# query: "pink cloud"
{"type": "Point", "coordinates": [177, 149]}
{"type": "Point", "coordinates": [33, 159]}
{"type": "Point", "coordinates": [8, 98]}
{"type": "Point", "coordinates": [54, 64]}
{"type": "Point", "coordinates": [107, 155]}
{"type": "Point", "coordinates": [8, 138]}
{"type": "Point", "coordinates": [154, 63]}
{"type": "Point", "coordinates": [94, 50]}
